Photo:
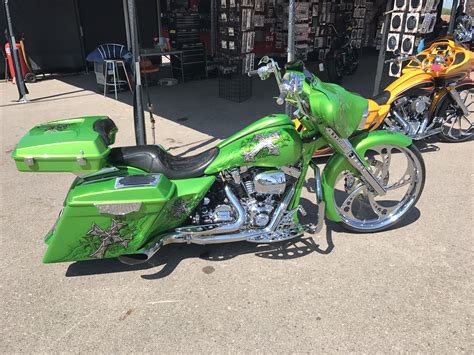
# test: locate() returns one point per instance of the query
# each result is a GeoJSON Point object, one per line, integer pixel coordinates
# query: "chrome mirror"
{"type": "Point", "coordinates": [264, 60]}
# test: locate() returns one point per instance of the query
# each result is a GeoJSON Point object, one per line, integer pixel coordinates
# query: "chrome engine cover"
{"type": "Point", "coordinates": [222, 213]}
{"type": "Point", "coordinates": [270, 182]}
{"type": "Point", "coordinates": [420, 104]}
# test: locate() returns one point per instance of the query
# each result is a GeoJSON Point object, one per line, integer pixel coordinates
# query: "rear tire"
{"type": "Point", "coordinates": [354, 61]}
{"type": "Point", "coordinates": [334, 67]}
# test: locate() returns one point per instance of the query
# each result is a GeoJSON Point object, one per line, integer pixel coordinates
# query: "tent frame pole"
{"type": "Point", "coordinates": [20, 82]}
{"type": "Point", "coordinates": [383, 45]}
{"type": "Point", "coordinates": [138, 114]}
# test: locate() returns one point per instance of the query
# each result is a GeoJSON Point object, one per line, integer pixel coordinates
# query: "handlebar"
{"type": "Point", "coordinates": [403, 58]}
{"type": "Point", "coordinates": [253, 72]}
{"type": "Point", "coordinates": [281, 99]}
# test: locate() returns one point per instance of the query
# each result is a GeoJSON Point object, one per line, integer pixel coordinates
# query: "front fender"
{"type": "Point", "coordinates": [442, 95]}
{"type": "Point", "coordinates": [338, 163]}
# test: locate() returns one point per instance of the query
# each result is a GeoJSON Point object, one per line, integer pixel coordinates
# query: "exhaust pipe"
{"type": "Point", "coordinates": [190, 235]}
{"type": "Point", "coordinates": [401, 121]}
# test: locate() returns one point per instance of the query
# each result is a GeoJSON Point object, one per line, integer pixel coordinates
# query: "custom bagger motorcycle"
{"type": "Point", "coordinates": [130, 201]}
{"type": "Point", "coordinates": [433, 96]}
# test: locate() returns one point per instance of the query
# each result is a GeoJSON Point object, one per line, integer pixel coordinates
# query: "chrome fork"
{"type": "Point", "coordinates": [356, 161]}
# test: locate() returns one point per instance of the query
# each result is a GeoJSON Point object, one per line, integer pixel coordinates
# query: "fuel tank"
{"type": "Point", "coordinates": [272, 141]}
{"type": "Point", "coordinates": [412, 83]}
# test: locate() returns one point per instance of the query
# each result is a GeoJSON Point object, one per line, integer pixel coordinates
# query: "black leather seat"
{"type": "Point", "coordinates": [381, 98]}
{"type": "Point", "coordinates": [154, 159]}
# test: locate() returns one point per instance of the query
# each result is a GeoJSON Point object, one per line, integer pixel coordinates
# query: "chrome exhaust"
{"type": "Point", "coordinates": [192, 236]}
{"type": "Point", "coordinates": [401, 121]}
{"type": "Point", "coordinates": [211, 229]}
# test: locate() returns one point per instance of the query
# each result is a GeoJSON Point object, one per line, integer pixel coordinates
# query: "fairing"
{"type": "Point", "coordinates": [337, 107]}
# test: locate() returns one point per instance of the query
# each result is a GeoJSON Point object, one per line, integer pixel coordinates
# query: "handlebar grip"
{"type": "Point", "coordinates": [281, 98]}
{"type": "Point", "coordinates": [253, 72]}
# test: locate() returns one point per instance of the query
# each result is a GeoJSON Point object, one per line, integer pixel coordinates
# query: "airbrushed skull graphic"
{"type": "Point", "coordinates": [108, 237]}
{"type": "Point", "coordinates": [264, 141]}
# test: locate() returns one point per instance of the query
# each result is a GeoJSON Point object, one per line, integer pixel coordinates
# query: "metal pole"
{"type": "Point", "coordinates": [452, 20]}
{"type": "Point", "coordinates": [81, 34]}
{"type": "Point", "coordinates": [213, 27]}
{"type": "Point", "coordinates": [127, 24]}
{"type": "Point", "coordinates": [20, 83]}
{"type": "Point", "coordinates": [291, 31]}
{"type": "Point", "coordinates": [138, 114]}
{"type": "Point", "coordinates": [158, 13]}
{"type": "Point", "coordinates": [383, 44]}
{"type": "Point", "coordinates": [291, 44]}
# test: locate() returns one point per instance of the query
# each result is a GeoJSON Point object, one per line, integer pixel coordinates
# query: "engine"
{"type": "Point", "coordinates": [411, 113]}
{"type": "Point", "coordinates": [259, 191]}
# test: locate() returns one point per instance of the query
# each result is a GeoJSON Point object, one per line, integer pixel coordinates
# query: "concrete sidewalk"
{"type": "Point", "coordinates": [408, 289]}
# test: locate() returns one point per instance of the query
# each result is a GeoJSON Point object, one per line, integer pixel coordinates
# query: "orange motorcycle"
{"type": "Point", "coordinates": [434, 95]}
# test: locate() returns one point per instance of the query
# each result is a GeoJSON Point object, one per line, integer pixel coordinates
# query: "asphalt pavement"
{"type": "Point", "coordinates": [408, 289]}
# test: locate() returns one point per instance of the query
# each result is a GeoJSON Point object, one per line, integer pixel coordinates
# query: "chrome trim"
{"type": "Point", "coordinates": [212, 229]}
{"type": "Point", "coordinates": [291, 171]}
{"type": "Point", "coordinates": [401, 121]}
{"type": "Point", "coordinates": [270, 182]}
{"type": "Point", "coordinates": [29, 161]}
{"type": "Point", "coordinates": [455, 95]}
{"type": "Point", "coordinates": [365, 116]}
{"type": "Point", "coordinates": [80, 159]}
{"type": "Point", "coordinates": [318, 189]}
{"type": "Point", "coordinates": [154, 182]}
{"type": "Point", "coordinates": [118, 209]}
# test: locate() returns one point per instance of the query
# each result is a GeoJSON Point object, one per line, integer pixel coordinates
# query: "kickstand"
{"type": "Point", "coordinates": [152, 121]}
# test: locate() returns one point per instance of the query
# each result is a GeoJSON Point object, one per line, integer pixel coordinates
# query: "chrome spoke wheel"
{"type": "Point", "coordinates": [401, 172]}
{"type": "Point", "coordinates": [457, 126]}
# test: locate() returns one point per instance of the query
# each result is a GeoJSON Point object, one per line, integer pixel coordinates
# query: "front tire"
{"type": "Point", "coordinates": [457, 127]}
{"type": "Point", "coordinates": [402, 172]}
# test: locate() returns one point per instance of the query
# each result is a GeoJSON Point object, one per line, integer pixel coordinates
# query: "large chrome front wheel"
{"type": "Point", "coordinates": [401, 171]}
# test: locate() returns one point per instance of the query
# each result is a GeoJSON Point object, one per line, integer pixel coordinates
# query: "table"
{"type": "Point", "coordinates": [155, 52]}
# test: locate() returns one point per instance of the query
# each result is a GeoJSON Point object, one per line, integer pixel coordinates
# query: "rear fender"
{"type": "Point", "coordinates": [338, 163]}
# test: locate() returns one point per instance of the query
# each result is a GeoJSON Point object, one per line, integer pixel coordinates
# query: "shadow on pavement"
{"type": "Point", "coordinates": [169, 257]}
{"type": "Point", "coordinates": [196, 105]}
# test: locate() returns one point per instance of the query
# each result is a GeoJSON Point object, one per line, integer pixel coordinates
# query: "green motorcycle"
{"type": "Point", "coordinates": [128, 202]}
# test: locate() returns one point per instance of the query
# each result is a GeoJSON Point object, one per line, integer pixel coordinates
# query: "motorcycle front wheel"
{"type": "Point", "coordinates": [457, 127]}
{"type": "Point", "coordinates": [401, 171]}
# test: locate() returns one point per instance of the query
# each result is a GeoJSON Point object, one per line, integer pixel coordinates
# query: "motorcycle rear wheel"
{"type": "Point", "coordinates": [401, 171]}
{"type": "Point", "coordinates": [334, 67]}
{"type": "Point", "coordinates": [457, 127]}
{"type": "Point", "coordinates": [354, 61]}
